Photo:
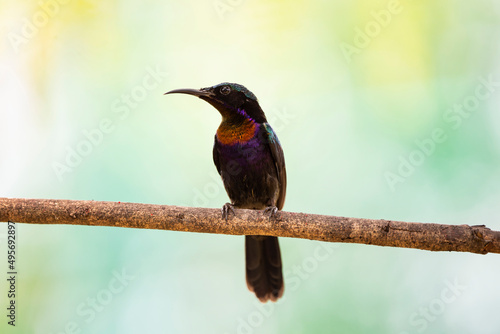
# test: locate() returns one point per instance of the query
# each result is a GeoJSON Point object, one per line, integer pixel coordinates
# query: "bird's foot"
{"type": "Point", "coordinates": [226, 209]}
{"type": "Point", "coordinates": [271, 211]}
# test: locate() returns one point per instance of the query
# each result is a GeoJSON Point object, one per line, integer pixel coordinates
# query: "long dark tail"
{"type": "Point", "coordinates": [263, 267]}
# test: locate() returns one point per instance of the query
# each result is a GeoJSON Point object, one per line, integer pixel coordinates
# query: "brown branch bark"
{"type": "Point", "coordinates": [432, 237]}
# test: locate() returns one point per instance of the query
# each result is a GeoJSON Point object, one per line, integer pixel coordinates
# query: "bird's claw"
{"type": "Point", "coordinates": [271, 211]}
{"type": "Point", "coordinates": [226, 209]}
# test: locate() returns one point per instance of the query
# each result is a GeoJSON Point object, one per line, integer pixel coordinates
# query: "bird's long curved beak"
{"type": "Point", "coordinates": [196, 92]}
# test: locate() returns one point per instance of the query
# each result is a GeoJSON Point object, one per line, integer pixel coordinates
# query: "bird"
{"type": "Point", "coordinates": [249, 158]}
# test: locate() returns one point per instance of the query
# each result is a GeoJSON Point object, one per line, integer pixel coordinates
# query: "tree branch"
{"type": "Point", "coordinates": [433, 237]}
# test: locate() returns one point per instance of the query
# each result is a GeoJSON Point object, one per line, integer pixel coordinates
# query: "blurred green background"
{"type": "Point", "coordinates": [385, 109]}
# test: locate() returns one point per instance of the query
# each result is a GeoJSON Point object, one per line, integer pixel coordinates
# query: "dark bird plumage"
{"type": "Point", "coordinates": [250, 160]}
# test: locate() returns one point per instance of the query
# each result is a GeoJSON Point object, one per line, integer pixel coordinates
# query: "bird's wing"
{"type": "Point", "coordinates": [215, 154]}
{"type": "Point", "coordinates": [279, 161]}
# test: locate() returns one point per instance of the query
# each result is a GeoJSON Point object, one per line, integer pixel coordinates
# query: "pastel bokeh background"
{"type": "Point", "coordinates": [385, 109]}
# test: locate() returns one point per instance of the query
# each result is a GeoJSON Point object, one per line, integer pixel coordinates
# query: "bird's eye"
{"type": "Point", "coordinates": [225, 90]}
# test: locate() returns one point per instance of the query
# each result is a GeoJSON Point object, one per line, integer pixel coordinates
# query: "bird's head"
{"type": "Point", "coordinates": [233, 101]}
